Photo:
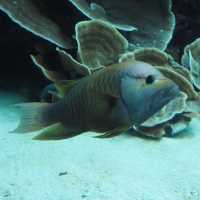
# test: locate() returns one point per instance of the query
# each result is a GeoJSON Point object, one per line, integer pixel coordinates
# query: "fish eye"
{"type": "Point", "coordinates": [150, 79]}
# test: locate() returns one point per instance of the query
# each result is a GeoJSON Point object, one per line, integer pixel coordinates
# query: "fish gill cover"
{"type": "Point", "coordinates": [140, 30]}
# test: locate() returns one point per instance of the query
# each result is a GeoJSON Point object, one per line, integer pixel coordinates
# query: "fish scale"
{"type": "Point", "coordinates": [109, 101]}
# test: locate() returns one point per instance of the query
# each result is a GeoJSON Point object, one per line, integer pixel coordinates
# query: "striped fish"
{"type": "Point", "coordinates": [109, 101]}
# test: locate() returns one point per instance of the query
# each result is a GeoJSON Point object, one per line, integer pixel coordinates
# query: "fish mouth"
{"type": "Point", "coordinates": [157, 101]}
{"type": "Point", "coordinates": [164, 96]}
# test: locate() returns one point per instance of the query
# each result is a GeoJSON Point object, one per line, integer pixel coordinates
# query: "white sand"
{"type": "Point", "coordinates": [120, 168]}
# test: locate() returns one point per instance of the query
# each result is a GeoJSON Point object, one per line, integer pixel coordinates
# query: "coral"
{"type": "Point", "coordinates": [191, 60]}
{"type": "Point", "coordinates": [146, 23]}
{"type": "Point", "coordinates": [65, 64]}
{"type": "Point", "coordinates": [99, 44]}
{"type": "Point", "coordinates": [36, 17]}
{"type": "Point", "coordinates": [173, 108]}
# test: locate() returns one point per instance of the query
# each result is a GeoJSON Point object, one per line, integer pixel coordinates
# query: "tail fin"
{"type": "Point", "coordinates": [35, 116]}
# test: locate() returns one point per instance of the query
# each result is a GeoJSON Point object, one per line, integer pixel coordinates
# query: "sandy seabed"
{"type": "Point", "coordinates": [83, 167]}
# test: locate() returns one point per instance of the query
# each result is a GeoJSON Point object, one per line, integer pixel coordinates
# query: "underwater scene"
{"type": "Point", "coordinates": [100, 100]}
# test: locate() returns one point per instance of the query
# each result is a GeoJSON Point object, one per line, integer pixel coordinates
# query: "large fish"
{"type": "Point", "coordinates": [109, 101]}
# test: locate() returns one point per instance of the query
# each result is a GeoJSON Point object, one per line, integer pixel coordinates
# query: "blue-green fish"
{"type": "Point", "coordinates": [109, 101]}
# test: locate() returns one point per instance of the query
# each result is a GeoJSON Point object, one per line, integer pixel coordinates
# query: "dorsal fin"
{"type": "Point", "coordinates": [65, 86]}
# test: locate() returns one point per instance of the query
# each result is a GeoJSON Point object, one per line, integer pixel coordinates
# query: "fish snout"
{"type": "Point", "coordinates": [143, 102]}
{"type": "Point", "coordinates": [166, 91]}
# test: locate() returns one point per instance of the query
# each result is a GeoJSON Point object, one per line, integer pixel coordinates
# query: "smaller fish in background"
{"type": "Point", "coordinates": [109, 101]}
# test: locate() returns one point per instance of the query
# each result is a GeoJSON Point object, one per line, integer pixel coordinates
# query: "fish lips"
{"type": "Point", "coordinates": [163, 96]}
{"type": "Point", "coordinates": [141, 103]}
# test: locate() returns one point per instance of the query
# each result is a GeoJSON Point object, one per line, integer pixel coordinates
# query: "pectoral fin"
{"type": "Point", "coordinates": [112, 133]}
{"type": "Point", "coordinates": [56, 132]}
{"type": "Point", "coordinates": [65, 86]}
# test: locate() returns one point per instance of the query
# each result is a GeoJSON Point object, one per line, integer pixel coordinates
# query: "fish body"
{"type": "Point", "coordinates": [109, 101]}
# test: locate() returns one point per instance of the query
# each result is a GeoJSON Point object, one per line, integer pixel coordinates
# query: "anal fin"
{"type": "Point", "coordinates": [56, 132]}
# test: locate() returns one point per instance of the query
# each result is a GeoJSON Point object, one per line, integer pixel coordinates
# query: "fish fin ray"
{"type": "Point", "coordinates": [32, 116]}
{"type": "Point", "coordinates": [56, 132]}
{"type": "Point", "coordinates": [112, 133]}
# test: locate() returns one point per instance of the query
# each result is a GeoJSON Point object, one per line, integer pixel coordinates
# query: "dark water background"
{"type": "Point", "coordinates": [18, 73]}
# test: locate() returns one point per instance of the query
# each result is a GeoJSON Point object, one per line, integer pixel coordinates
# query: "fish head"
{"type": "Point", "coordinates": [145, 90]}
